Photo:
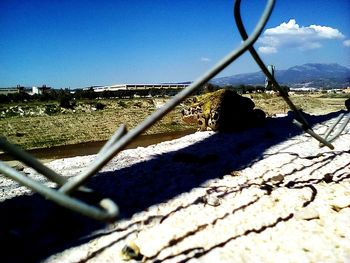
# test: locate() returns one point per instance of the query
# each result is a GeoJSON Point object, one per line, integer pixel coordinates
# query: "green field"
{"type": "Point", "coordinates": [39, 125]}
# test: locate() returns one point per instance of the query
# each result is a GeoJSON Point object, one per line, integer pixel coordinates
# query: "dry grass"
{"type": "Point", "coordinates": [86, 125]}
{"type": "Point", "coordinates": [76, 127]}
{"type": "Point", "coordinates": [313, 104]}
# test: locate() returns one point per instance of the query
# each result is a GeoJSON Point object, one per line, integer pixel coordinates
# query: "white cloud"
{"type": "Point", "coordinates": [294, 36]}
{"type": "Point", "coordinates": [347, 43]}
{"type": "Point", "coordinates": [204, 59]}
{"type": "Point", "coordinates": [267, 50]}
{"type": "Point", "coordinates": [327, 32]}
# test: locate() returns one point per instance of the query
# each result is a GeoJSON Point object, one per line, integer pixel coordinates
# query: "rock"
{"type": "Point", "coordinates": [307, 213]}
{"type": "Point", "coordinates": [235, 173]}
{"type": "Point", "coordinates": [267, 187]}
{"type": "Point", "coordinates": [131, 251]}
{"type": "Point", "coordinates": [19, 167]}
{"type": "Point", "coordinates": [277, 179]}
{"type": "Point", "coordinates": [328, 178]}
{"type": "Point", "coordinates": [212, 200]}
{"type": "Point", "coordinates": [347, 104]}
{"type": "Point", "coordinates": [223, 110]}
{"type": "Point", "coordinates": [340, 202]}
{"type": "Point", "coordinates": [188, 206]}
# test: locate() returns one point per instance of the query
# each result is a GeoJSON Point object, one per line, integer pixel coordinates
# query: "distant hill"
{"type": "Point", "coordinates": [313, 75]}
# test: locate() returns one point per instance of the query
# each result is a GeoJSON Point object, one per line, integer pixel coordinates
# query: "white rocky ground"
{"type": "Point", "coordinates": [264, 195]}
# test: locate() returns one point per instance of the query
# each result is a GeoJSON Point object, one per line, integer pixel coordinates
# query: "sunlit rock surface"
{"type": "Point", "coordinates": [268, 194]}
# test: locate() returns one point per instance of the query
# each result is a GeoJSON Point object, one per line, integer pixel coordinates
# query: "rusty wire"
{"type": "Point", "coordinates": [121, 138]}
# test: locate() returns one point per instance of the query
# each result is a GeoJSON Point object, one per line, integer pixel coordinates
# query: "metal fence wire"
{"type": "Point", "coordinates": [107, 210]}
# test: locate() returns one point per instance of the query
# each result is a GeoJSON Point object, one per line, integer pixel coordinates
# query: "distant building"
{"type": "Point", "coordinates": [138, 87]}
{"type": "Point", "coordinates": [28, 90]}
{"type": "Point", "coordinates": [40, 90]}
{"type": "Point", "coordinates": [304, 89]}
{"type": "Point", "coordinates": [335, 91]}
{"type": "Point", "coordinates": [6, 91]}
{"type": "Point", "coordinates": [12, 90]}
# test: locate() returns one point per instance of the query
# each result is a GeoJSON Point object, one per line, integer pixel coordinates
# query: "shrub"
{"type": "Point", "coordinates": [122, 104]}
{"type": "Point", "coordinates": [51, 109]}
{"type": "Point", "coordinates": [138, 104]}
{"type": "Point", "coordinates": [100, 106]}
{"type": "Point", "coordinates": [65, 102]}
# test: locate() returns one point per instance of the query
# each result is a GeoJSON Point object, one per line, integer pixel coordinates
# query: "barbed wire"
{"type": "Point", "coordinates": [106, 209]}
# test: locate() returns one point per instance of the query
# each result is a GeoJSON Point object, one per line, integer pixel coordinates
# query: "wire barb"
{"type": "Point", "coordinates": [157, 115]}
{"type": "Point", "coordinates": [300, 120]}
{"type": "Point", "coordinates": [107, 211]}
{"type": "Point", "coordinates": [121, 138]}
{"type": "Point", "coordinates": [342, 116]}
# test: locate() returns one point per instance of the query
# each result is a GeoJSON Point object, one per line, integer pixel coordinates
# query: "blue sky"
{"type": "Point", "coordinates": [74, 44]}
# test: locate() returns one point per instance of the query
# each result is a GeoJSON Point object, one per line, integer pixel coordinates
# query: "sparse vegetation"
{"type": "Point", "coordinates": [38, 124]}
{"type": "Point", "coordinates": [310, 103]}
{"type": "Point", "coordinates": [46, 125]}
{"type": "Point", "coordinates": [100, 106]}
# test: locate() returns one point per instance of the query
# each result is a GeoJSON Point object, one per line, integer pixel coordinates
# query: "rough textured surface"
{"type": "Point", "coordinates": [223, 110]}
{"type": "Point", "coordinates": [267, 194]}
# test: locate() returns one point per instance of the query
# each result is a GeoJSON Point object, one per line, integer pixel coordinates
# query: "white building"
{"type": "Point", "coordinates": [139, 87]}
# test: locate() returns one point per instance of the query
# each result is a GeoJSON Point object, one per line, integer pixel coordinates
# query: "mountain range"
{"type": "Point", "coordinates": [310, 75]}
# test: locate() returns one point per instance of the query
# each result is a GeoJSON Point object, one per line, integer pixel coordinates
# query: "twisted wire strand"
{"type": "Point", "coordinates": [157, 115]}
{"type": "Point", "coordinates": [300, 119]}
{"type": "Point", "coordinates": [121, 138]}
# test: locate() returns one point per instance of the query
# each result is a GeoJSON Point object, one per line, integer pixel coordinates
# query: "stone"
{"type": "Point", "coordinates": [212, 200]}
{"type": "Point", "coordinates": [347, 104]}
{"type": "Point", "coordinates": [307, 213]}
{"type": "Point", "coordinates": [223, 110]}
{"type": "Point", "coordinates": [131, 251]}
{"type": "Point", "coordinates": [277, 179]}
{"type": "Point", "coordinates": [340, 202]}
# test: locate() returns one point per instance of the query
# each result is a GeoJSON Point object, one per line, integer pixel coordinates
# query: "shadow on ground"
{"type": "Point", "coordinates": [34, 228]}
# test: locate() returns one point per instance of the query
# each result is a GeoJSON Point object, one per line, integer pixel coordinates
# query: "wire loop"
{"type": "Point", "coordinates": [108, 210]}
